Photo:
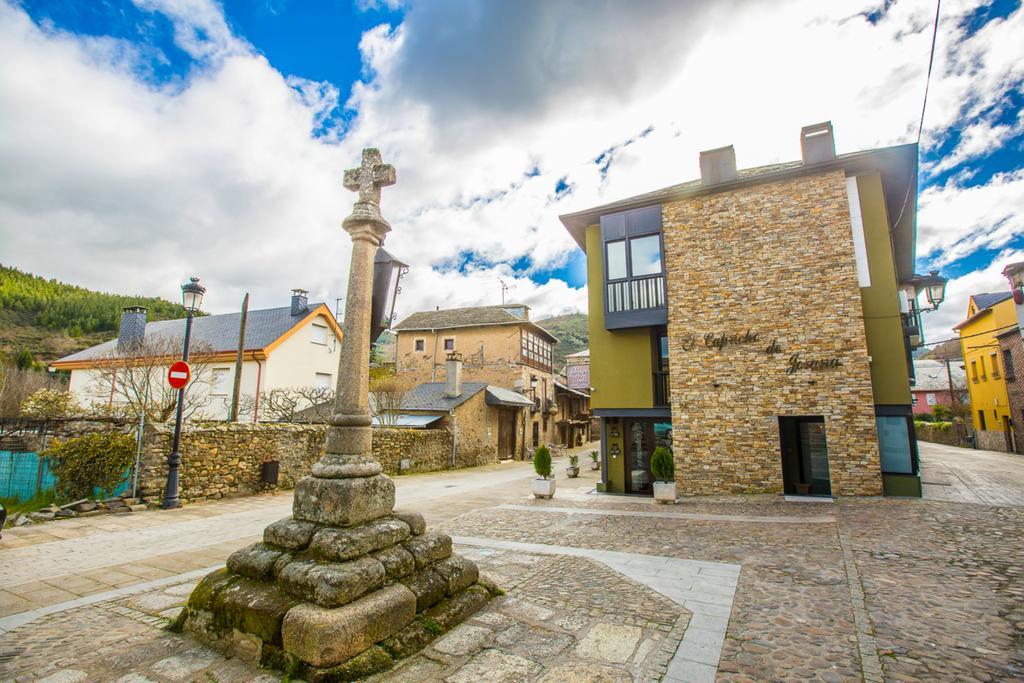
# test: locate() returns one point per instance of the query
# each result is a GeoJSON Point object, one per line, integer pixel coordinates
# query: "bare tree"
{"type": "Point", "coordinates": [319, 402]}
{"type": "Point", "coordinates": [386, 399]}
{"type": "Point", "coordinates": [17, 384]}
{"type": "Point", "coordinates": [134, 380]}
{"type": "Point", "coordinates": [290, 404]}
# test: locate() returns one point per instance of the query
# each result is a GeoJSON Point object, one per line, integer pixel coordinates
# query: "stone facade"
{"type": "Point", "coordinates": [777, 260]}
{"type": "Point", "coordinates": [1014, 376]}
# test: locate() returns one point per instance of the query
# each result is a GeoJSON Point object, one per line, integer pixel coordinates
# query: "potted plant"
{"type": "Point", "coordinates": [544, 484]}
{"type": "Point", "coordinates": [573, 470]}
{"type": "Point", "coordinates": [594, 464]}
{"type": "Point", "coordinates": [663, 468]}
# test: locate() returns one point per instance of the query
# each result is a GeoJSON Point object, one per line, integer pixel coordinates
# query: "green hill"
{"type": "Point", "coordinates": [51, 319]}
{"type": "Point", "coordinates": [572, 332]}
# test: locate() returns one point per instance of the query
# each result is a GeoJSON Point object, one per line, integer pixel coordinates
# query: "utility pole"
{"type": "Point", "coordinates": [235, 391]}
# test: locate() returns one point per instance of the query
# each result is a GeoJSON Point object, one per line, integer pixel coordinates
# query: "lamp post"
{"type": "Point", "coordinates": [934, 287]}
{"type": "Point", "coordinates": [191, 299]}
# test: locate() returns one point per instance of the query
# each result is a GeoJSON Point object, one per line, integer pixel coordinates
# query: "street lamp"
{"type": "Point", "coordinates": [191, 299]}
{"type": "Point", "coordinates": [387, 274]}
{"type": "Point", "coordinates": [934, 286]}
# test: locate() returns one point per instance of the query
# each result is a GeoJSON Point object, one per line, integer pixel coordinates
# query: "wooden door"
{"type": "Point", "coordinates": [506, 434]}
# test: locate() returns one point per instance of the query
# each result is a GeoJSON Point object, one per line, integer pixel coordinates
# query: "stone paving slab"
{"type": "Point", "coordinates": [745, 519]}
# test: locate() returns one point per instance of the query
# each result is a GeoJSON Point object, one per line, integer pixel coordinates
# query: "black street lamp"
{"type": "Point", "coordinates": [191, 299]}
{"type": "Point", "coordinates": [387, 274]}
{"type": "Point", "coordinates": [934, 286]}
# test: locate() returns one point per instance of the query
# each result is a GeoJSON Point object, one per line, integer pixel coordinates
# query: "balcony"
{"type": "Point", "coordinates": [662, 391]}
{"type": "Point", "coordinates": [635, 302]}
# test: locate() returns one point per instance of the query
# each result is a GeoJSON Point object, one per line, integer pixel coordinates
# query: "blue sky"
{"type": "Point", "coordinates": [216, 132]}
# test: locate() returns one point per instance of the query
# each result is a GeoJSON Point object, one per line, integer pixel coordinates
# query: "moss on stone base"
{"type": "Point", "coordinates": [362, 665]}
{"type": "Point", "coordinates": [253, 607]}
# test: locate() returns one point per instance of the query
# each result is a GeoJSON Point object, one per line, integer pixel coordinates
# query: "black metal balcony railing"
{"type": "Point", "coordinates": [636, 294]}
{"type": "Point", "coordinates": [662, 393]}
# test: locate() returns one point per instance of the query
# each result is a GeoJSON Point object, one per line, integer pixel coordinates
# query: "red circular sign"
{"type": "Point", "coordinates": [179, 374]}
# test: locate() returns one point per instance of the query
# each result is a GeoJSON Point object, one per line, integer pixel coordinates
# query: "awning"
{"type": "Point", "coordinates": [498, 396]}
{"type": "Point", "coordinates": [410, 421]}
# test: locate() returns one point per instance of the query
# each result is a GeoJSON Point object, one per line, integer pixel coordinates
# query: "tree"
{"type": "Point", "coordinates": [290, 404]}
{"type": "Point", "coordinates": [17, 384]}
{"type": "Point", "coordinates": [386, 399]}
{"type": "Point", "coordinates": [133, 381]}
{"type": "Point", "coordinates": [50, 404]}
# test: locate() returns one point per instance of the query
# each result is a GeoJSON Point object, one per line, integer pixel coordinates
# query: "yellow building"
{"type": "Point", "coordinates": [987, 316]}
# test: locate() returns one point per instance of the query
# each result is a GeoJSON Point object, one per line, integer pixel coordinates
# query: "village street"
{"type": "Point", "coordinates": [598, 587]}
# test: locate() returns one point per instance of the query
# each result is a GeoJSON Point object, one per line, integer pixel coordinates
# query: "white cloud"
{"type": "Point", "coordinates": [113, 183]}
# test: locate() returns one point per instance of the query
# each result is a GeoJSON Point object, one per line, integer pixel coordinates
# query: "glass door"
{"type": "Point", "coordinates": [639, 438]}
{"type": "Point", "coordinates": [814, 450]}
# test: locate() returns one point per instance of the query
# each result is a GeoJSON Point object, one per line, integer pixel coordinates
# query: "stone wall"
{"type": "Point", "coordinates": [933, 434]}
{"type": "Point", "coordinates": [477, 431]}
{"type": "Point", "coordinates": [1014, 377]}
{"type": "Point", "coordinates": [224, 460]}
{"type": "Point", "coordinates": [776, 260]}
{"type": "Point", "coordinates": [991, 440]}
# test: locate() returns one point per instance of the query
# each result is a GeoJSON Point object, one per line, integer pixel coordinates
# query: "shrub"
{"type": "Point", "coordinates": [49, 404]}
{"type": "Point", "coordinates": [663, 467]}
{"type": "Point", "coordinates": [574, 461]}
{"type": "Point", "coordinates": [924, 417]}
{"type": "Point", "coordinates": [593, 456]}
{"type": "Point", "coordinates": [542, 462]}
{"type": "Point", "coordinates": [84, 463]}
{"type": "Point", "coordinates": [942, 413]}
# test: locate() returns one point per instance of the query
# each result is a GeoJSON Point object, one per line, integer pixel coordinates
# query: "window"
{"type": "Point", "coordinates": [930, 398]}
{"type": "Point", "coordinates": [536, 434]}
{"type": "Point", "coordinates": [984, 375]}
{"type": "Point", "coordinates": [974, 370]}
{"type": "Point", "coordinates": [645, 255]}
{"type": "Point", "coordinates": [449, 344]}
{"type": "Point", "coordinates": [221, 382]}
{"type": "Point", "coordinates": [535, 350]}
{"type": "Point", "coordinates": [419, 344]}
{"type": "Point", "coordinates": [995, 366]}
{"type": "Point", "coordinates": [1008, 364]}
{"type": "Point", "coordinates": [894, 444]}
{"type": "Point", "coordinates": [319, 334]}
{"type": "Point", "coordinates": [322, 380]}
{"type": "Point", "coordinates": [981, 419]}
{"type": "Point", "coordinates": [617, 260]}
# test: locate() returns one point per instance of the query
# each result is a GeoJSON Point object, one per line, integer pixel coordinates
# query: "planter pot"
{"type": "Point", "coordinates": [572, 472]}
{"type": "Point", "coordinates": [665, 491]}
{"type": "Point", "coordinates": [543, 488]}
{"type": "Point", "coordinates": [595, 465]}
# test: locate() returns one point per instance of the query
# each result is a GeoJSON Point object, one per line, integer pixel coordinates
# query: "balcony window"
{"type": "Point", "coordinates": [1008, 364]}
{"type": "Point", "coordinates": [634, 268]}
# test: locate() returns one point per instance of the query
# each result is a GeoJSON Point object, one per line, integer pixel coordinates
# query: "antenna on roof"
{"type": "Point", "coordinates": [504, 288]}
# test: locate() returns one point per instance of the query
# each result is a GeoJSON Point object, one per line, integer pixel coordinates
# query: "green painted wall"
{"type": "Point", "coordinates": [890, 378]}
{"type": "Point", "coordinates": [621, 361]}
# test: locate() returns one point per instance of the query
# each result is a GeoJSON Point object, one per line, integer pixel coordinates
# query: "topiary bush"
{"type": "Point", "coordinates": [85, 463]}
{"type": "Point", "coordinates": [542, 462]}
{"type": "Point", "coordinates": [574, 461]}
{"type": "Point", "coordinates": [593, 456]}
{"type": "Point", "coordinates": [663, 467]}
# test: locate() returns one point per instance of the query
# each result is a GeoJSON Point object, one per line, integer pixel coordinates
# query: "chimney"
{"type": "Point", "coordinates": [453, 375]}
{"type": "Point", "coordinates": [717, 165]}
{"type": "Point", "coordinates": [300, 301]}
{"type": "Point", "coordinates": [817, 143]}
{"type": "Point", "coordinates": [133, 328]}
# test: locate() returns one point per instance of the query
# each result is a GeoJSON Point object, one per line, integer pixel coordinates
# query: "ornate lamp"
{"type": "Point", "coordinates": [192, 295]}
{"type": "Point", "coordinates": [934, 286]}
{"type": "Point", "coordinates": [387, 276]}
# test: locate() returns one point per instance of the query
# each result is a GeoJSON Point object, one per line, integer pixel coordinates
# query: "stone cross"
{"type": "Point", "coordinates": [372, 175]}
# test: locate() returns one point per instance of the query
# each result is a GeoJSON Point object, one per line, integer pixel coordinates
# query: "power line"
{"type": "Point", "coordinates": [976, 334]}
{"type": "Point", "coordinates": [924, 104]}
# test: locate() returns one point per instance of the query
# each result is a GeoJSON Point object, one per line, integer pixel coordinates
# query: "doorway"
{"type": "Point", "coordinates": [506, 433]}
{"type": "Point", "coordinates": [804, 456]}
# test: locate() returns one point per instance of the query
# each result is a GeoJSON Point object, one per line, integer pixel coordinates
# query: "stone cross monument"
{"type": "Point", "coordinates": [346, 585]}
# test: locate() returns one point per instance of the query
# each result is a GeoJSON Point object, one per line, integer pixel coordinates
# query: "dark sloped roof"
{"type": "Point", "coordinates": [472, 316]}
{"type": "Point", "coordinates": [931, 375]}
{"type": "Point", "coordinates": [500, 396]}
{"type": "Point", "coordinates": [219, 333]}
{"type": "Point", "coordinates": [430, 396]}
{"type": "Point", "coordinates": [983, 301]}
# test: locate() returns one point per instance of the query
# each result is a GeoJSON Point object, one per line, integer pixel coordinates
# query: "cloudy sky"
{"type": "Point", "coordinates": [142, 141]}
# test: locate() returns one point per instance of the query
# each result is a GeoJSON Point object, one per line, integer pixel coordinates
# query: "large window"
{"type": "Point", "coordinates": [634, 268]}
{"type": "Point", "coordinates": [894, 444]}
{"type": "Point", "coordinates": [536, 351]}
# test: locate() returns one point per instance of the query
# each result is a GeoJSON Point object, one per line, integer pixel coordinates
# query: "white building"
{"type": "Point", "coordinates": [291, 347]}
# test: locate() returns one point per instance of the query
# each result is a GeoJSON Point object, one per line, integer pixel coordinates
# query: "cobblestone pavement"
{"type": "Point", "coordinates": [870, 589]}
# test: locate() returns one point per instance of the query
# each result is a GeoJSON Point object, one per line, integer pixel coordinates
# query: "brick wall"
{"type": "Point", "coordinates": [776, 259]}
{"type": "Point", "coordinates": [1014, 343]}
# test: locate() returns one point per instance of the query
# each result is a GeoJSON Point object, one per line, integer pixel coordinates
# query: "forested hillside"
{"type": "Point", "coordinates": [50, 318]}
{"type": "Point", "coordinates": [572, 333]}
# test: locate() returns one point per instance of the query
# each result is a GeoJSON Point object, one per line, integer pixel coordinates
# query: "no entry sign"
{"type": "Point", "coordinates": [179, 374]}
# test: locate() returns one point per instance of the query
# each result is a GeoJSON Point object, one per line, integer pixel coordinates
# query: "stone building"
{"type": "Point", "coordinates": [988, 315]}
{"type": "Point", "coordinates": [499, 346]}
{"type": "Point", "coordinates": [759, 324]}
{"type": "Point", "coordinates": [482, 416]}
{"type": "Point", "coordinates": [1011, 348]}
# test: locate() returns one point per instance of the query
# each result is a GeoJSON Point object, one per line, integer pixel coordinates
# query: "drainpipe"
{"type": "Point", "coordinates": [256, 403]}
{"type": "Point", "coordinates": [455, 433]}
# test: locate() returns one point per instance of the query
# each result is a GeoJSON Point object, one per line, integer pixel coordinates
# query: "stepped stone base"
{"type": "Point", "coordinates": [339, 591]}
